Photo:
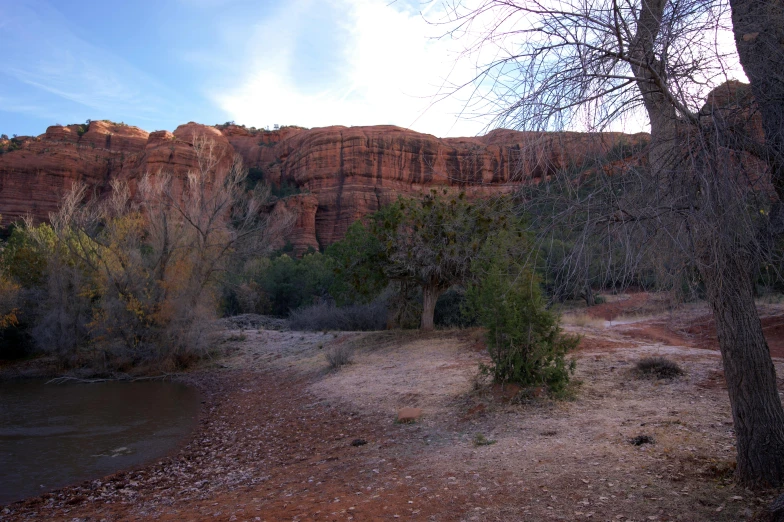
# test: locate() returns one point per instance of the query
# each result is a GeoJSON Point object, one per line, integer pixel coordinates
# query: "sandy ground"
{"type": "Point", "coordinates": [283, 438]}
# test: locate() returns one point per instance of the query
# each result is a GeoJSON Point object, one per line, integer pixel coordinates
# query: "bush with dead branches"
{"type": "Point", "coordinates": [135, 278]}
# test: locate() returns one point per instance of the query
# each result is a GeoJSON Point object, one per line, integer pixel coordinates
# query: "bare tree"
{"type": "Point", "coordinates": [149, 263]}
{"type": "Point", "coordinates": [704, 196]}
{"type": "Point", "coordinates": [758, 26]}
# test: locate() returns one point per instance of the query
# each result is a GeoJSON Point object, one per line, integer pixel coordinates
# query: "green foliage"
{"type": "Point", "coordinates": [431, 241]}
{"type": "Point", "coordinates": [11, 145]}
{"type": "Point", "coordinates": [289, 283]}
{"type": "Point", "coordinates": [285, 189]}
{"type": "Point", "coordinates": [572, 259]}
{"type": "Point", "coordinates": [524, 339]}
{"type": "Point", "coordinates": [452, 310]}
{"type": "Point", "coordinates": [422, 247]}
{"type": "Point", "coordinates": [481, 440]}
{"type": "Point", "coordinates": [357, 258]}
{"type": "Point", "coordinates": [24, 258]}
{"type": "Point", "coordinates": [255, 176]}
{"type": "Point", "coordinates": [23, 269]}
{"type": "Point", "coordinates": [12, 344]}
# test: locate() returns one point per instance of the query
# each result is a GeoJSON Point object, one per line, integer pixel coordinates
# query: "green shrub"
{"type": "Point", "coordinates": [451, 310]}
{"type": "Point", "coordinates": [255, 176]}
{"type": "Point", "coordinates": [357, 266]}
{"type": "Point", "coordinates": [288, 283]}
{"type": "Point", "coordinates": [285, 189]}
{"type": "Point", "coordinates": [23, 259]}
{"type": "Point", "coordinates": [481, 440]}
{"type": "Point", "coordinates": [10, 145]}
{"type": "Point", "coordinates": [525, 341]}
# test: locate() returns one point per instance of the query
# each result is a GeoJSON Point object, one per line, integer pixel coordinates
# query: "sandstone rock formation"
{"type": "Point", "coordinates": [340, 173]}
{"type": "Point", "coordinates": [34, 178]}
{"type": "Point", "coordinates": [354, 171]}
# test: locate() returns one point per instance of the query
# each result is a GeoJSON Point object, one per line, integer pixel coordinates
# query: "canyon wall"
{"type": "Point", "coordinates": [338, 174]}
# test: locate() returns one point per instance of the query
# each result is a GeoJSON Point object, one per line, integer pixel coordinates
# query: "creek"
{"type": "Point", "coordinates": [53, 435]}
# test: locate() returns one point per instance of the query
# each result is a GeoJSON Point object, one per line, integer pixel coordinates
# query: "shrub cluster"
{"type": "Point", "coordinates": [658, 367]}
{"type": "Point", "coordinates": [117, 282]}
{"type": "Point", "coordinates": [525, 341]}
{"type": "Point", "coordinates": [338, 355]}
{"type": "Point", "coordinates": [328, 316]}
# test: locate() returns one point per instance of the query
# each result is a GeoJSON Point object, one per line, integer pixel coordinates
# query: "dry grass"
{"type": "Point", "coordinates": [338, 355]}
{"type": "Point", "coordinates": [582, 320]}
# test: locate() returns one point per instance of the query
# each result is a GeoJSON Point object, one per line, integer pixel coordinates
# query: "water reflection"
{"type": "Point", "coordinates": [55, 435]}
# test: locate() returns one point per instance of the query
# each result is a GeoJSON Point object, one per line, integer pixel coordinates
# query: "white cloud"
{"type": "Point", "coordinates": [392, 73]}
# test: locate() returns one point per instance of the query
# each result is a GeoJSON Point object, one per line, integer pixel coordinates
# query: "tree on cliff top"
{"type": "Point", "coordinates": [705, 198]}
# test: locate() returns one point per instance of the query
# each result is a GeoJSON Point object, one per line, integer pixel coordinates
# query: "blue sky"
{"type": "Point", "coordinates": [158, 64]}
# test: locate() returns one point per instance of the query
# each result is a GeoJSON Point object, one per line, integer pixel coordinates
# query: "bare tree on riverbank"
{"type": "Point", "coordinates": [137, 275]}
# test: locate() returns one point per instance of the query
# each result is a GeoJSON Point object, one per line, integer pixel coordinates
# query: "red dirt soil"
{"type": "Point", "coordinates": [627, 304]}
{"type": "Point", "coordinates": [695, 328]}
{"type": "Point", "coordinates": [281, 439]}
{"type": "Point", "coordinates": [287, 455]}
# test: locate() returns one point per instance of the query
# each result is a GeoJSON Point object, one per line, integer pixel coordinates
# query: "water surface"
{"type": "Point", "coordinates": [55, 435]}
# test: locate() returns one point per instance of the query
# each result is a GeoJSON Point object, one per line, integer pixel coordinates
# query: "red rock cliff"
{"type": "Point", "coordinates": [342, 173]}
{"type": "Point", "coordinates": [354, 171]}
{"type": "Point", "coordinates": [34, 178]}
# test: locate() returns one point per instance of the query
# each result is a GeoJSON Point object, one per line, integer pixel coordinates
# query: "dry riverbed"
{"type": "Point", "coordinates": [283, 438]}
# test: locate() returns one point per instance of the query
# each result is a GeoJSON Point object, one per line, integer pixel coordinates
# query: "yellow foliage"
{"type": "Point", "coordinates": [9, 293]}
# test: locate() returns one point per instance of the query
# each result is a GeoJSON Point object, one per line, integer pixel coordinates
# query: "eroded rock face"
{"type": "Point", "coordinates": [354, 171]}
{"type": "Point", "coordinates": [731, 107]}
{"type": "Point", "coordinates": [34, 178]}
{"type": "Point", "coordinates": [340, 173]}
{"type": "Point", "coordinates": [293, 222]}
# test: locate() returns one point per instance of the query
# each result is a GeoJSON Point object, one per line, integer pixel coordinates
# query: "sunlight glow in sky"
{"type": "Point", "coordinates": [158, 64]}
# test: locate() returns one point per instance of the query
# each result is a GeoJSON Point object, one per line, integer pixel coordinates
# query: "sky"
{"type": "Point", "coordinates": [158, 64]}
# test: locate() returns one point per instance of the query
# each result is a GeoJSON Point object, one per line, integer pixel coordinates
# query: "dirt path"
{"type": "Point", "coordinates": [281, 438]}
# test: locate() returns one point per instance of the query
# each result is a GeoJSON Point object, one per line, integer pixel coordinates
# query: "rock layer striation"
{"type": "Point", "coordinates": [327, 177]}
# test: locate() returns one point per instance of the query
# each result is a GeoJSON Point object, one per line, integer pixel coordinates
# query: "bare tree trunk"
{"type": "Point", "coordinates": [751, 377]}
{"type": "Point", "coordinates": [758, 26]}
{"type": "Point", "coordinates": [430, 295]}
{"type": "Point", "coordinates": [588, 295]}
{"type": "Point", "coordinates": [751, 380]}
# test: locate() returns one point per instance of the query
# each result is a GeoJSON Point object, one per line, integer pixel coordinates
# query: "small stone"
{"type": "Point", "coordinates": [408, 415]}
